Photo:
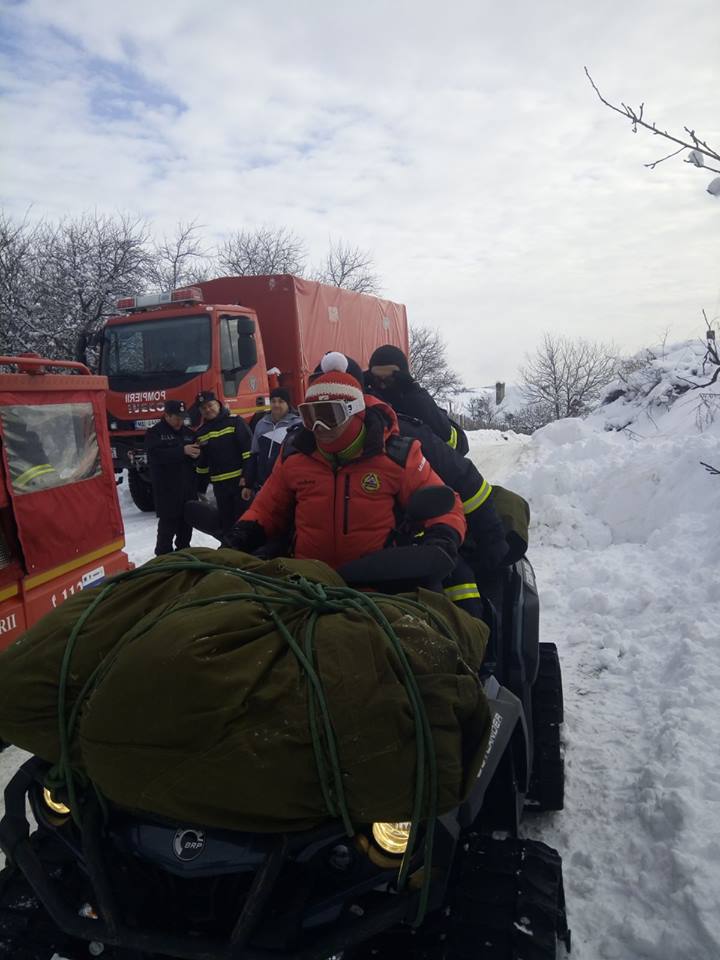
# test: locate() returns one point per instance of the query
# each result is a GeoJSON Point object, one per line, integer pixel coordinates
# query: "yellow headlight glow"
{"type": "Point", "coordinates": [53, 804]}
{"type": "Point", "coordinates": [392, 837]}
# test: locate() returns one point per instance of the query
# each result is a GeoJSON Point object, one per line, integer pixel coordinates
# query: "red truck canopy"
{"type": "Point", "coordinates": [300, 320]}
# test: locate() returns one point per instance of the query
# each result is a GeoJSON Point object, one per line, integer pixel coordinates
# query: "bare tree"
{"type": "Point", "coordinates": [567, 376]}
{"type": "Point", "coordinates": [60, 280]}
{"type": "Point", "coordinates": [429, 364]}
{"type": "Point", "coordinates": [179, 260]}
{"type": "Point", "coordinates": [529, 418]}
{"type": "Point", "coordinates": [263, 250]}
{"type": "Point", "coordinates": [698, 150]}
{"type": "Point", "coordinates": [481, 414]}
{"type": "Point", "coordinates": [17, 283]}
{"type": "Point", "coordinates": [348, 267]}
{"type": "Point", "coordinates": [89, 262]}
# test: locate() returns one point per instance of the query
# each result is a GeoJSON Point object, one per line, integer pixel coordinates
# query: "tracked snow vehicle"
{"type": "Point", "coordinates": [138, 887]}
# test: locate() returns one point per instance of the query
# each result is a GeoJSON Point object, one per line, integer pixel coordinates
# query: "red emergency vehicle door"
{"type": "Point", "coordinates": [63, 494]}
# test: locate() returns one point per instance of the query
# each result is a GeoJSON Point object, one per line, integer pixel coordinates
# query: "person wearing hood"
{"type": "Point", "coordinates": [268, 436]}
{"type": "Point", "coordinates": [338, 482]}
{"type": "Point", "coordinates": [389, 378]}
{"type": "Point", "coordinates": [224, 440]}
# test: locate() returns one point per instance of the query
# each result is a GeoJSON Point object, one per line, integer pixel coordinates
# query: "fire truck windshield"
{"type": "Point", "coordinates": [171, 351]}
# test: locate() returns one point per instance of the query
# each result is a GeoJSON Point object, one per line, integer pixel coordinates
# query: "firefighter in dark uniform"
{"type": "Point", "coordinates": [224, 440]}
{"type": "Point", "coordinates": [172, 452]}
{"type": "Point", "coordinates": [485, 546]}
{"type": "Point", "coordinates": [389, 379]}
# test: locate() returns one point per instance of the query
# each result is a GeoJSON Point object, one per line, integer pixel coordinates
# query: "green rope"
{"type": "Point", "coordinates": [295, 594]}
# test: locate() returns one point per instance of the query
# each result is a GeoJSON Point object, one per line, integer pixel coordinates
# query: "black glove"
{"type": "Point", "coordinates": [245, 535]}
{"type": "Point", "coordinates": [440, 535]}
{"type": "Point", "coordinates": [487, 545]}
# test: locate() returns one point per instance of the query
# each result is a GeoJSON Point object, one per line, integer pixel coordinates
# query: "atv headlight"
{"type": "Point", "coordinates": [55, 805]}
{"type": "Point", "coordinates": [392, 837]}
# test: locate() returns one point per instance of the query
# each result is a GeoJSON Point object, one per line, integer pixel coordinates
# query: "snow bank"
{"type": "Point", "coordinates": [667, 392]}
{"type": "Point", "coordinates": [625, 546]}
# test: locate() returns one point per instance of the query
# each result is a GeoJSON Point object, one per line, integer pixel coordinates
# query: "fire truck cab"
{"type": "Point", "coordinates": [61, 529]}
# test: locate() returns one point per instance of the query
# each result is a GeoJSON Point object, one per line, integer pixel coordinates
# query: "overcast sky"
{"type": "Point", "coordinates": [460, 142]}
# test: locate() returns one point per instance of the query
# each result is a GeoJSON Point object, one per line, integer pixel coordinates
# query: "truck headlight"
{"type": "Point", "coordinates": [392, 837]}
{"type": "Point", "coordinates": [55, 805]}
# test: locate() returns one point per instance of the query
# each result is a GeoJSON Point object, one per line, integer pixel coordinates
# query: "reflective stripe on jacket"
{"type": "Point", "coordinates": [224, 448]}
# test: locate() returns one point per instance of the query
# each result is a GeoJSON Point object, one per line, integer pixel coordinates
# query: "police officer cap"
{"type": "Point", "coordinates": [205, 396]}
{"type": "Point", "coordinates": [176, 407]}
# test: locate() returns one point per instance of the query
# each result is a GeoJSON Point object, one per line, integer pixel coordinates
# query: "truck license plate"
{"type": "Point", "coordinates": [145, 424]}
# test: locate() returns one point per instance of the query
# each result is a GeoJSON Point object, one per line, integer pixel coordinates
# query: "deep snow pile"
{"type": "Point", "coordinates": [626, 549]}
{"type": "Point", "coordinates": [627, 554]}
{"type": "Point", "coordinates": [665, 389]}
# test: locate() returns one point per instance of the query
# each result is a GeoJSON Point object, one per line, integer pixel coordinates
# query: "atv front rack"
{"type": "Point", "coordinates": [110, 927]}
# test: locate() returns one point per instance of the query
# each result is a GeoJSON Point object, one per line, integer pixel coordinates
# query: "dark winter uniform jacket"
{"type": "Point", "coordinates": [485, 545]}
{"type": "Point", "coordinates": [406, 396]}
{"type": "Point", "coordinates": [344, 510]}
{"type": "Point", "coordinates": [171, 471]}
{"type": "Point", "coordinates": [224, 449]}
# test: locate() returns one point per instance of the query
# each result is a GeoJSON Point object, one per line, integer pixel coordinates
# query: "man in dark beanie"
{"type": "Point", "coordinates": [172, 452]}
{"type": "Point", "coordinates": [270, 431]}
{"type": "Point", "coordinates": [389, 378]}
{"type": "Point", "coordinates": [279, 393]}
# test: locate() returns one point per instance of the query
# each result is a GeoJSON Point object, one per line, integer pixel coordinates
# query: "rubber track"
{"type": "Point", "coordinates": [508, 904]}
{"type": "Point", "coordinates": [547, 783]}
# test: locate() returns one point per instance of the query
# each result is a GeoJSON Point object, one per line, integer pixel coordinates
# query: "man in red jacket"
{"type": "Point", "coordinates": [340, 477]}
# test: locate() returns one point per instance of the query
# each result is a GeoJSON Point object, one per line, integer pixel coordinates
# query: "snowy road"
{"type": "Point", "coordinates": [627, 556]}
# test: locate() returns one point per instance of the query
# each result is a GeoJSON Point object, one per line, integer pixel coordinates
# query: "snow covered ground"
{"type": "Point", "coordinates": [627, 555]}
{"type": "Point", "coordinates": [626, 549]}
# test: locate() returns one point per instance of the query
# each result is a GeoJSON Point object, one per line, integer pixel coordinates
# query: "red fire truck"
{"type": "Point", "coordinates": [237, 336]}
{"type": "Point", "coordinates": [60, 524]}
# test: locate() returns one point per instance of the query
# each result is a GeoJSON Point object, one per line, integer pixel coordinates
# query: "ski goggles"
{"type": "Point", "coordinates": [329, 414]}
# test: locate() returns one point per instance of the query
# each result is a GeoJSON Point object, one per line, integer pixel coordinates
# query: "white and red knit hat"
{"type": "Point", "coordinates": [335, 383]}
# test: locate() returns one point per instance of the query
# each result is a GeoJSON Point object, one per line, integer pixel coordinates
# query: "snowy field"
{"type": "Point", "coordinates": [626, 549]}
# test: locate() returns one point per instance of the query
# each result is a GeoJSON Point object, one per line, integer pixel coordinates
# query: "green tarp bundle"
{"type": "Point", "coordinates": [198, 709]}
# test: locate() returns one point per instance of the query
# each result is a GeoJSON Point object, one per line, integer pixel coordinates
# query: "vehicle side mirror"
{"type": "Point", "coordinates": [430, 502]}
{"type": "Point", "coordinates": [245, 326]}
{"type": "Point", "coordinates": [247, 352]}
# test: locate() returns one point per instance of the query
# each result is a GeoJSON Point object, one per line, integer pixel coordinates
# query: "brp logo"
{"type": "Point", "coordinates": [188, 844]}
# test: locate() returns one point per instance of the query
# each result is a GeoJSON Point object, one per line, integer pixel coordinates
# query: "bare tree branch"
{"type": "Point", "coordinates": [429, 365]}
{"type": "Point", "coordinates": [636, 119]}
{"type": "Point", "coordinates": [348, 267]}
{"type": "Point", "coordinates": [651, 166]}
{"type": "Point", "coordinates": [179, 260]}
{"type": "Point", "coordinates": [59, 281]}
{"type": "Point", "coordinates": [264, 250]}
{"type": "Point", "coordinates": [567, 376]}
